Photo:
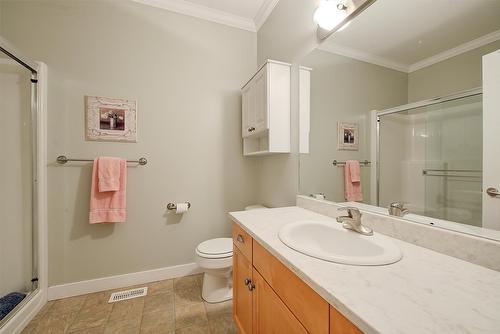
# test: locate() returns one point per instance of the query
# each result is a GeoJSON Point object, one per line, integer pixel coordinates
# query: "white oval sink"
{"type": "Point", "coordinates": [331, 242]}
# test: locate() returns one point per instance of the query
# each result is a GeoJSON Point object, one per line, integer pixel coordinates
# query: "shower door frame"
{"type": "Point", "coordinates": [410, 106]}
{"type": "Point", "coordinates": [31, 304]}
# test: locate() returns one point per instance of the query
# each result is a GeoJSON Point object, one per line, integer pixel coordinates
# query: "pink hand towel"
{"type": "Point", "coordinates": [108, 206]}
{"type": "Point", "coordinates": [352, 180]}
{"type": "Point", "coordinates": [108, 173]}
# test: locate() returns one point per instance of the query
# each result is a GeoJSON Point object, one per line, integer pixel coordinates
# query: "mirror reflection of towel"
{"type": "Point", "coordinates": [352, 178]}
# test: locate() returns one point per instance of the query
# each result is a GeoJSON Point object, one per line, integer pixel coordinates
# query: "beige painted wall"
{"type": "Point", "coordinates": [185, 74]}
{"type": "Point", "coordinates": [459, 73]}
{"type": "Point", "coordinates": [343, 89]}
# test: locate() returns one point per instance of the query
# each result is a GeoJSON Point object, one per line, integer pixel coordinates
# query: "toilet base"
{"type": "Point", "coordinates": [217, 288]}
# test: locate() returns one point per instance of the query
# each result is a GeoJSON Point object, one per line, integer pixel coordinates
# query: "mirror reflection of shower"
{"type": "Point", "coordinates": [430, 157]}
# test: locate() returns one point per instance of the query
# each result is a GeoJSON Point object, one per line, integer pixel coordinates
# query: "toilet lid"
{"type": "Point", "coordinates": [219, 246]}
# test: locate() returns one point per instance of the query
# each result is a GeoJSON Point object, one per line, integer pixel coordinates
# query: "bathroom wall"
{"type": "Point", "coordinates": [455, 74]}
{"type": "Point", "coordinates": [185, 74]}
{"type": "Point", "coordinates": [337, 85]}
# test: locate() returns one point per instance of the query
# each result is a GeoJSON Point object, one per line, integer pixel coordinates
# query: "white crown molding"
{"type": "Point", "coordinates": [202, 12]}
{"type": "Point", "coordinates": [263, 13]}
{"type": "Point", "coordinates": [474, 44]}
{"type": "Point", "coordinates": [364, 56]}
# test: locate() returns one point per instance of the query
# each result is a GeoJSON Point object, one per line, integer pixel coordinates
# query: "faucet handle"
{"type": "Point", "coordinates": [353, 212]}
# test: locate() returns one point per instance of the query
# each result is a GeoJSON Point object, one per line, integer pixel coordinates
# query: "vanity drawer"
{"type": "Point", "coordinates": [340, 325]}
{"type": "Point", "coordinates": [243, 241]}
{"type": "Point", "coordinates": [309, 308]}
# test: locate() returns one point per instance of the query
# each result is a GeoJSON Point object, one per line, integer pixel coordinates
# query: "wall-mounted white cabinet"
{"type": "Point", "coordinates": [266, 110]}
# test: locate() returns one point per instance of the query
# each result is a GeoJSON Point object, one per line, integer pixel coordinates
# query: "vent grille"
{"type": "Point", "coordinates": [128, 294]}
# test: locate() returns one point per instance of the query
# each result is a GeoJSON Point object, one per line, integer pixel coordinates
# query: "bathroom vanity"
{"type": "Point", "coordinates": [280, 290]}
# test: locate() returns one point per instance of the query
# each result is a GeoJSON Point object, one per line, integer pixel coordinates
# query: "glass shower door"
{"type": "Point", "coordinates": [16, 186]}
{"type": "Point", "coordinates": [453, 160]}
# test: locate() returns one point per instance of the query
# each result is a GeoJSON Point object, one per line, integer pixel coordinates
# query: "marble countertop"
{"type": "Point", "coordinates": [425, 292]}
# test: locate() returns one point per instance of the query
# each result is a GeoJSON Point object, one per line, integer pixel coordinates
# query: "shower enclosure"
{"type": "Point", "coordinates": [21, 213]}
{"type": "Point", "coordinates": [429, 156]}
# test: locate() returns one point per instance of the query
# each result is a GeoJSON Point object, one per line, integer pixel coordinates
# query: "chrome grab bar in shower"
{"type": "Point", "coordinates": [444, 172]}
{"type": "Point", "coordinates": [62, 159]}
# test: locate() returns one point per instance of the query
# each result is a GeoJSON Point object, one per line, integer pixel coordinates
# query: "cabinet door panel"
{"type": "Point", "coordinates": [245, 111]}
{"type": "Point", "coordinates": [242, 301]}
{"type": "Point", "coordinates": [271, 316]}
{"type": "Point", "coordinates": [309, 307]}
{"type": "Point", "coordinates": [260, 100]}
{"type": "Point", "coordinates": [340, 325]}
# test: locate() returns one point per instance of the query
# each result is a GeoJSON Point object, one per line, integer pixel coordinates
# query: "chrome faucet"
{"type": "Point", "coordinates": [398, 209]}
{"type": "Point", "coordinates": [353, 221]}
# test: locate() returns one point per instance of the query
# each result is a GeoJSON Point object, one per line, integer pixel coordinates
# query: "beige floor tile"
{"type": "Point", "coordinates": [185, 282]}
{"type": "Point", "coordinates": [127, 309]}
{"type": "Point", "coordinates": [184, 297]}
{"type": "Point", "coordinates": [31, 328]}
{"type": "Point", "coordinates": [123, 326]}
{"type": "Point", "coordinates": [191, 315]}
{"type": "Point", "coordinates": [55, 323]}
{"type": "Point", "coordinates": [163, 302]}
{"type": "Point", "coordinates": [204, 329]}
{"type": "Point", "coordinates": [160, 287]}
{"type": "Point", "coordinates": [68, 305]}
{"type": "Point", "coordinates": [95, 330]}
{"type": "Point", "coordinates": [218, 309]}
{"type": "Point", "coordinates": [158, 322]}
{"type": "Point", "coordinates": [222, 324]}
{"type": "Point", "coordinates": [91, 316]}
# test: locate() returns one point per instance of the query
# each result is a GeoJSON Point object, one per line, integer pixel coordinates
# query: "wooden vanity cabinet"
{"type": "Point", "coordinates": [270, 298]}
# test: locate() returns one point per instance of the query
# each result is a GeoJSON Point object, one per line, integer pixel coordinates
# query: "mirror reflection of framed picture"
{"type": "Point", "coordinates": [348, 138]}
{"type": "Point", "coordinates": [110, 119]}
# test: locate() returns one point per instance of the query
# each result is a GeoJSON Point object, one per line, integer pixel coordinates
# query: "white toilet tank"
{"type": "Point", "coordinates": [255, 206]}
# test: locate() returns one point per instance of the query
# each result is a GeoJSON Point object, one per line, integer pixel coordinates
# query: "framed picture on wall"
{"type": "Point", "coordinates": [348, 137]}
{"type": "Point", "coordinates": [110, 119]}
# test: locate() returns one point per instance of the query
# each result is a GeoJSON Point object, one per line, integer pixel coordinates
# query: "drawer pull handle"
{"type": "Point", "coordinates": [250, 129]}
{"type": "Point", "coordinates": [240, 238]}
{"type": "Point", "coordinates": [247, 281]}
{"type": "Point", "coordinates": [251, 286]}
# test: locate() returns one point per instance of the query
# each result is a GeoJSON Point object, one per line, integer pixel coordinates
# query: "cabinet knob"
{"type": "Point", "coordinates": [251, 286]}
{"type": "Point", "coordinates": [250, 129]}
{"type": "Point", "coordinates": [248, 281]}
{"type": "Point", "coordinates": [240, 238]}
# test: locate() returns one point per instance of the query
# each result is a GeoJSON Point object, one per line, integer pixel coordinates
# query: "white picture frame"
{"type": "Point", "coordinates": [110, 119]}
{"type": "Point", "coordinates": [348, 136]}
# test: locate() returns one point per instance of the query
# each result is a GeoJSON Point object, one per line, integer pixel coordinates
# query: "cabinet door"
{"type": "Point", "coordinates": [340, 325]}
{"type": "Point", "coordinates": [246, 110]}
{"type": "Point", "coordinates": [242, 301]}
{"type": "Point", "coordinates": [270, 314]}
{"type": "Point", "coordinates": [260, 114]}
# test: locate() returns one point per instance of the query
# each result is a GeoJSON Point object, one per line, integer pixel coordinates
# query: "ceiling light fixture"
{"type": "Point", "coordinates": [330, 13]}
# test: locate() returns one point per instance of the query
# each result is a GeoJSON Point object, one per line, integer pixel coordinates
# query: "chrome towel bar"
{"type": "Point", "coordinates": [62, 159]}
{"type": "Point", "coordinates": [365, 163]}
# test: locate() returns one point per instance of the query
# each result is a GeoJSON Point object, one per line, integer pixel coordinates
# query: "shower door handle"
{"type": "Point", "coordinates": [493, 192]}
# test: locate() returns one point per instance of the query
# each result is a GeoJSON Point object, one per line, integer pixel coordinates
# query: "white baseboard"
{"type": "Point", "coordinates": [121, 281]}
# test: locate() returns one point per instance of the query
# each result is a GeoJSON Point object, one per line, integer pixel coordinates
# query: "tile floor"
{"type": "Point", "coordinates": [171, 307]}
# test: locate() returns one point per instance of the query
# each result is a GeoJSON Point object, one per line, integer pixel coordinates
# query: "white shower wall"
{"type": "Point", "coordinates": [15, 178]}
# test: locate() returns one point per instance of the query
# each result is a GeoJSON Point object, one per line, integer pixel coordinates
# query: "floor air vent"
{"type": "Point", "coordinates": [128, 294]}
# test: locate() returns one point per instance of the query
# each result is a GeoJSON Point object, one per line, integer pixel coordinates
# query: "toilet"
{"type": "Point", "coordinates": [215, 257]}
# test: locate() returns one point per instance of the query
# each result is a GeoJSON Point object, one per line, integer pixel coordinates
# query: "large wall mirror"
{"type": "Point", "coordinates": [400, 90]}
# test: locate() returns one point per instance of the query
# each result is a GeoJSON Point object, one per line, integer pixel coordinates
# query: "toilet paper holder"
{"type": "Point", "coordinates": [173, 206]}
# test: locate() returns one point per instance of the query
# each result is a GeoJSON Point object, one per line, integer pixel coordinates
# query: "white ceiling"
{"type": "Point", "coordinates": [408, 35]}
{"type": "Point", "coordinates": [243, 14]}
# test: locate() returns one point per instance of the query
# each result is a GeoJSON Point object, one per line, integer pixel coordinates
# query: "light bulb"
{"type": "Point", "coordinates": [329, 14]}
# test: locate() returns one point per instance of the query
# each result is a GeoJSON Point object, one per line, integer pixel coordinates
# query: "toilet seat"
{"type": "Point", "coordinates": [215, 248]}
